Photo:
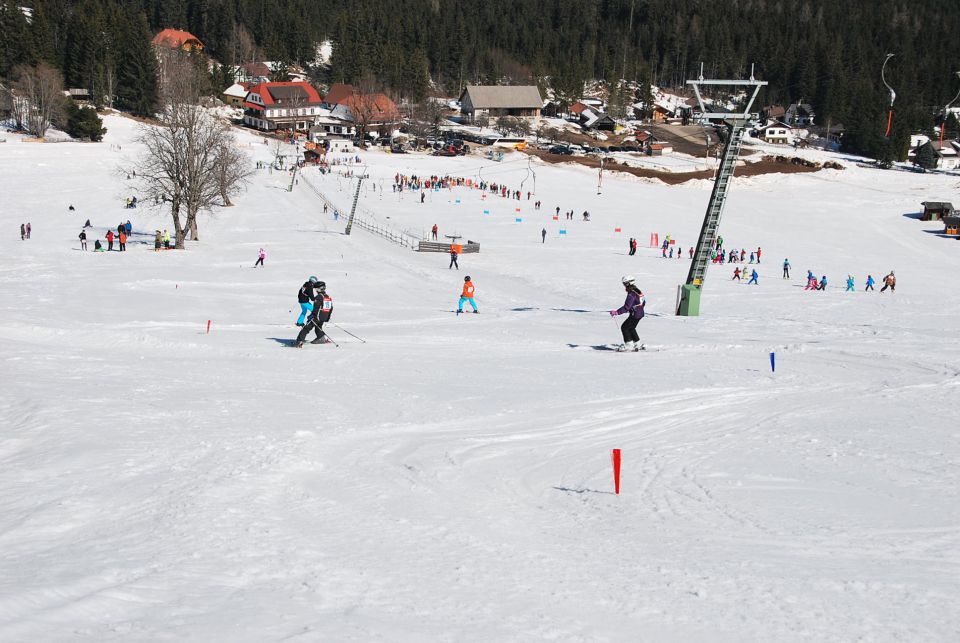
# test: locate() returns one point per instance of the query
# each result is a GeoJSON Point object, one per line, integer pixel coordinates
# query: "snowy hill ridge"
{"type": "Point", "coordinates": [450, 478]}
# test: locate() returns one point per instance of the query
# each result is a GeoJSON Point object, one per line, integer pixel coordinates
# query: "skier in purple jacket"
{"type": "Point", "coordinates": [634, 306]}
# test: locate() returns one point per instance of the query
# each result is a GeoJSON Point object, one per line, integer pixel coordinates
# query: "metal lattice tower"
{"type": "Point", "coordinates": [736, 126]}
{"type": "Point", "coordinates": [356, 198]}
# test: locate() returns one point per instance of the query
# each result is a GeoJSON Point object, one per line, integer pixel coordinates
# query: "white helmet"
{"type": "Point", "coordinates": [627, 279]}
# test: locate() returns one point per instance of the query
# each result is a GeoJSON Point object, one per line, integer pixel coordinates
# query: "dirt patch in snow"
{"type": "Point", "coordinates": [767, 165]}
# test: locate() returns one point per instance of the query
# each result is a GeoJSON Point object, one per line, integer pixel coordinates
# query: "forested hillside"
{"type": "Point", "coordinates": [826, 52]}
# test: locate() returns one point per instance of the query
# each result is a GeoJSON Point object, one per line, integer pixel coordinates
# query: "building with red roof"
{"type": "Point", "coordinates": [284, 105]}
{"type": "Point", "coordinates": [177, 39]}
{"type": "Point", "coordinates": [370, 112]}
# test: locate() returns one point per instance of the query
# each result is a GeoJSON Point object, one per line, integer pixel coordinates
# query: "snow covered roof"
{"type": "Point", "coordinates": [776, 124]}
{"type": "Point", "coordinates": [236, 90]}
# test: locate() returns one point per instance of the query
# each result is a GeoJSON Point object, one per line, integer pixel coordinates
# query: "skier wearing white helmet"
{"type": "Point", "coordinates": [633, 307]}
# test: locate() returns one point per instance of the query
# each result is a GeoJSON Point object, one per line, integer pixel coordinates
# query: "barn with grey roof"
{"type": "Point", "coordinates": [500, 100]}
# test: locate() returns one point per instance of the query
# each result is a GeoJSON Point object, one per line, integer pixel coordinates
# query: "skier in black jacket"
{"type": "Point", "coordinates": [322, 310]}
{"type": "Point", "coordinates": [305, 297]}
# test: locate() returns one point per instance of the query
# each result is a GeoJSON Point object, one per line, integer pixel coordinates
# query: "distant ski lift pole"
{"type": "Point", "coordinates": [893, 94]}
{"type": "Point", "coordinates": [946, 114]}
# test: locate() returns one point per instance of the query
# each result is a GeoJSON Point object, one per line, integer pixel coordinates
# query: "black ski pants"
{"type": "Point", "coordinates": [629, 329]}
{"type": "Point", "coordinates": [312, 324]}
{"type": "Point", "coordinates": [453, 262]}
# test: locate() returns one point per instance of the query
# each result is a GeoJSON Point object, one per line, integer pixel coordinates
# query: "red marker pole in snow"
{"type": "Point", "coordinates": [616, 471]}
{"type": "Point", "coordinates": [208, 327]}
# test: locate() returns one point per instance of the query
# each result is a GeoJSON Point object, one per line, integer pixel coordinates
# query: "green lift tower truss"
{"type": "Point", "coordinates": [736, 123]}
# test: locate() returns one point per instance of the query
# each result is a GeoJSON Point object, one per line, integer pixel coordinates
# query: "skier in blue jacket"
{"type": "Point", "coordinates": [633, 305]}
{"type": "Point", "coordinates": [305, 298]}
{"type": "Point", "coordinates": [850, 287]}
{"type": "Point", "coordinates": [753, 278]}
{"type": "Point", "coordinates": [870, 283]}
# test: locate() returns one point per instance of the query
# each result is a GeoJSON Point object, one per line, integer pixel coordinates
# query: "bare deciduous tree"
{"type": "Point", "coordinates": [424, 118]}
{"type": "Point", "coordinates": [190, 158]}
{"type": "Point", "coordinates": [38, 98]}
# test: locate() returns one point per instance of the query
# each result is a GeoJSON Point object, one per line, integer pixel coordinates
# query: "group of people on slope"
{"type": "Point", "coordinates": [889, 281]}
{"type": "Point", "coordinates": [316, 308]}
{"type": "Point", "coordinates": [754, 276]}
{"type": "Point", "coordinates": [161, 240]}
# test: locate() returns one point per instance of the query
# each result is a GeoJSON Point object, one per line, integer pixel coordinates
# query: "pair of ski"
{"type": "Point", "coordinates": [613, 348]}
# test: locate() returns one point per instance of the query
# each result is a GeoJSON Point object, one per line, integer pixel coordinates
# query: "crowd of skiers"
{"type": "Point", "coordinates": [403, 182]}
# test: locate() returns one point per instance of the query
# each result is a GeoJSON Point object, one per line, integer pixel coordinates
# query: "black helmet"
{"type": "Point", "coordinates": [322, 285]}
{"type": "Point", "coordinates": [467, 278]}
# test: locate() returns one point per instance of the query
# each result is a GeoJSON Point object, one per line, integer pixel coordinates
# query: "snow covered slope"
{"type": "Point", "coordinates": [450, 478]}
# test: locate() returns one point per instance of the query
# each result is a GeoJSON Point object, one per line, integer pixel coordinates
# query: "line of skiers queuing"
{"type": "Point", "coordinates": [889, 281]}
{"type": "Point", "coordinates": [403, 182]}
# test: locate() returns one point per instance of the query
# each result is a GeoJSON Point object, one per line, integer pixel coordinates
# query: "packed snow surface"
{"type": "Point", "coordinates": [450, 479]}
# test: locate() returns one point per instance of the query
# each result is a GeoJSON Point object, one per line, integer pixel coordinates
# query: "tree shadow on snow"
{"type": "Point", "coordinates": [582, 491]}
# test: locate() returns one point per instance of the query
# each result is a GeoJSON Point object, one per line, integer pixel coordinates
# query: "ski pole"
{"type": "Point", "coordinates": [349, 333]}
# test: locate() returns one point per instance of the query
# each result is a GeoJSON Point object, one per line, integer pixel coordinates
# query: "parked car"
{"type": "Point", "coordinates": [561, 149]}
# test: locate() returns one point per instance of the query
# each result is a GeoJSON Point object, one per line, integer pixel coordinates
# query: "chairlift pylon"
{"type": "Point", "coordinates": [893, 94]}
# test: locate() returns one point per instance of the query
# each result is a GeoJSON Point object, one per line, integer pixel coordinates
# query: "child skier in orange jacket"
{"type": "Point", "coordinates": [467, 295]}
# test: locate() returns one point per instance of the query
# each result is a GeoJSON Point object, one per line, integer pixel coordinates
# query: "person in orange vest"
{"type": "Point", "coordinates": [123, 241]}
{"type": "Point", "coordinates": [467, 295]}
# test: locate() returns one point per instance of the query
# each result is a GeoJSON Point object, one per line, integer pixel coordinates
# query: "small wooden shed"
{"type": "Point", "coordinates": [951, 225]}
{"type": "Point", "coordinates": [936, 210]}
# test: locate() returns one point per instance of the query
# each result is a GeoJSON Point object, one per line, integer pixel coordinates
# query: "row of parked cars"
{"type": "Point", "coordinates": [586, 149]}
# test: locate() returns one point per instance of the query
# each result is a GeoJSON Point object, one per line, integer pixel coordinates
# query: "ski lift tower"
{"type": "Point", "coordinates": [356, 197]}
{"type": "Point", "coordinates": [736, 124]}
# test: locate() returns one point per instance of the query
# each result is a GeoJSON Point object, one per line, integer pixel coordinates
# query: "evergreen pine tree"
{"type": "Point", "coordinates": [137, 68]}
{"type": "Point", "coordinates": [926, 156]}
{"type": "Point", "coordinates": [84, 122]}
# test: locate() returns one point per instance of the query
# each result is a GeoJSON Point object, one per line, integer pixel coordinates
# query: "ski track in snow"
{"type": "Point", "coordinates": [450, 479]}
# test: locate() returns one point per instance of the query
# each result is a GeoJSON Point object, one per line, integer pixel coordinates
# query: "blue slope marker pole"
{"type": "Point", "coordinates": [773, 362]}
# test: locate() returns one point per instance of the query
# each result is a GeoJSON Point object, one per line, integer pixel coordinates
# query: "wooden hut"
{"type": "Point", "coordinates": [936, 210]}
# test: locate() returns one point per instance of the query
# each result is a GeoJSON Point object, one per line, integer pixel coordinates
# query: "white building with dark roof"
{"type": "Point", "coordinates": [500, 100]}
